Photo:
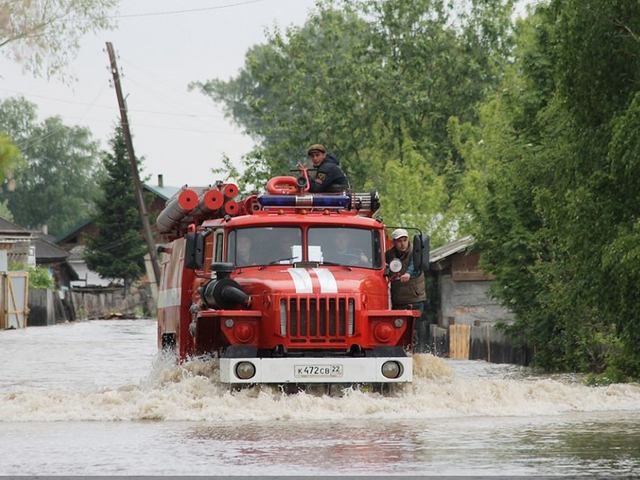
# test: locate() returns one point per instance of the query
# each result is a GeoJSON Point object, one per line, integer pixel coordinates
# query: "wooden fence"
{"type": "Point", "coordinates": [112, 302]}
{"type": "Point", "coordinates": [48, 307]}
{"type": "Point", "coordinates": [470, 342]}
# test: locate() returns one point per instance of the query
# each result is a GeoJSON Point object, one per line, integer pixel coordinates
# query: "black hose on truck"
{"type": "Point", "coordinates": [223, 292]}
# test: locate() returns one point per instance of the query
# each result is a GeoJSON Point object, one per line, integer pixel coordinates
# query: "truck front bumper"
{"type": "Point", "coordinates": [316, 370]}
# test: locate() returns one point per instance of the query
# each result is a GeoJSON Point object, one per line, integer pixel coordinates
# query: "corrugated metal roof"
{"type": "Point", "coordinates": [449, 249]}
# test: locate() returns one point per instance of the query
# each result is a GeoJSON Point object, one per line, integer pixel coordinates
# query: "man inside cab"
{"type": "Point", "coordinates": [345, 253]}
{"type": "Point", "coordinates": [329, 176]}
{"type": "Point", "coordinates": [244, 251]}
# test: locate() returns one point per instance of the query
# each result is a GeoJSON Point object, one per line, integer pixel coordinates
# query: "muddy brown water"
{"type": "Point", "coordinates": [95, 398]}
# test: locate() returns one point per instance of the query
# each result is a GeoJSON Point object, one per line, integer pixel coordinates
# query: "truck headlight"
{"type": "Point", "coordinates": [245, 370]}
{"type": "Point", "coordinates": [391, 369]}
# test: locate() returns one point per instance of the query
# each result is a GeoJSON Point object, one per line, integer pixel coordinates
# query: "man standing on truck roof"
{"type": "Point", "coordinates": [408, 290]}
{"type": "Point", "coordinates": [329, 176]}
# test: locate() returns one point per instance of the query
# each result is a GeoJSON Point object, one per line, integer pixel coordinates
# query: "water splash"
{"type": "Point", "coordinates": [430, 367]}
{"type": "Point", "coordinates": [190, 392]}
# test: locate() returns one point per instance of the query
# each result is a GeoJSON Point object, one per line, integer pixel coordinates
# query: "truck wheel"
{"type": "Point", "coordinates": [388, 389]}
{"type": "Point", "coordinates": [169, 342]}
{"type": "Point", "coordinates": [292, 388]}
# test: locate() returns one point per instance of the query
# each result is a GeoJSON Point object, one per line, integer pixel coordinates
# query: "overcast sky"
{"type": "Point", "coordinates": [181, 134]}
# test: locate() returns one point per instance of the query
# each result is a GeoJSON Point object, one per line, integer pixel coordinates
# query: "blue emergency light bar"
{"type": "Point", "coordinates": [305, 201]}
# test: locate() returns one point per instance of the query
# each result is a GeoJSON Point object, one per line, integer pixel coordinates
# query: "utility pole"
{"type": "Point", "coordinates": [142, 209]}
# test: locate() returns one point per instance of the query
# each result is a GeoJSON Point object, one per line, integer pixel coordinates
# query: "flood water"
{"type": "Point", "coordinates": [95, 398]}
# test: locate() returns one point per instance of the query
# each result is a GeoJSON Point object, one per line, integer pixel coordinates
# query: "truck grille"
{"type": "Point", "coordinates": [317, 319]}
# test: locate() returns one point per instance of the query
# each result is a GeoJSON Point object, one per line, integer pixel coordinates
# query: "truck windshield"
{"type": "Point", "coordinates": [265, 246]}
{"type": "Point", "coordinates": [354, 247]}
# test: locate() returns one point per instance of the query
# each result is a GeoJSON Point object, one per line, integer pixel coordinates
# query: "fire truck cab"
{"type": "Point", "coordinates": [291, 288]}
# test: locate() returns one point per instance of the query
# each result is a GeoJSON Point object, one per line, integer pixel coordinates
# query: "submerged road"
{"type": "Point", "coordinates": [95, 398]}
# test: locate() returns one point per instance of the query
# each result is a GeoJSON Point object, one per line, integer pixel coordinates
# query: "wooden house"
{"type": "Point", "coordinates": [460, 290]}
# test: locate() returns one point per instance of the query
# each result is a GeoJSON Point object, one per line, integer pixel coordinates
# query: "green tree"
{"type": "Point", "coordinates": [56, 184]}
{"type": "Point", "coordinates": [9, 156]}
{"type": "Point", "coordinates": [118, 250]}
{"type": "Point", "coordinates": [366, 75]}
{"type": "Point", "coordinates": [292, 92]}
{"type": "Point", "coordinates": [44, 35]}
{"type": "Point", "coordinates": [376, 81]}
{"type": "Point", "coordinates": [558, 222]}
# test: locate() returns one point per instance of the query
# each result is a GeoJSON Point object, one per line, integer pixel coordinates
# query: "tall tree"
{"type": "Point", "coordinates": [43, 35]}
{"type": "Point", "coordinates": [377, 81]}
{"type": "Point", "coordinates": [559, 224]}
{"type": "Point", "coordinates": [366, 75]}
{"type": "Point", "coordinates": [118, 250]}
{"type": "Point", "coordinates": [56, 184]}
{"type": "Point", "coordinates": [9, 156]}
{"type": "Point", "coordinates": [301, 87]}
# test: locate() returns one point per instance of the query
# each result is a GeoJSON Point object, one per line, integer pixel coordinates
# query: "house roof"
{"type": "Point", "coordinates": [48, 252]}
{"type": "Point", "coordinates": [47, 237]}
{"type": "Point", "coordinates": [85, 276]}
{"type": "Point", "coordinates": [8, 228]}
{"type": "Point", "coordinates": [73, 231]}
{"type": "Point", "coordinates": [162, 192]}
{"type": "Point", "coordinates": [451, 248]}
{"type": "Point", "coordinates": [165, 193]}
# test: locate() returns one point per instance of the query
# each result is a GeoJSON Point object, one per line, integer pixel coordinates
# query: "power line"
{"type": "Point", "coordinates": [191, 10]}
{"type": "Point", "coordinates": [139, 110]}
{"type": "Point", "coordinates": [34, 141]}
{"type": "Point", "coordinates": [165, 98]}
{"type": "Point", "coordinates": [154, 80]}
{"type": "Point", "coordinates": [159, 127]}
{"type": "Point", "coordinates": [190, 130]}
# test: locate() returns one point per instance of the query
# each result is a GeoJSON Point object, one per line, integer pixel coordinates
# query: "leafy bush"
{"type": "Point", "coordinates": [40, 278]}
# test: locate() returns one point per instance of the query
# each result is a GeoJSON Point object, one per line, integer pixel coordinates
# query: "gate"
{"type": "Point", "coordinates": [459, 336]}
{"type": "Point", "coordinates": [14, 293]}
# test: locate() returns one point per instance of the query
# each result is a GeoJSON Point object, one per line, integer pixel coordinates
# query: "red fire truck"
{"type": "Point", "coordinates": [284, 287]}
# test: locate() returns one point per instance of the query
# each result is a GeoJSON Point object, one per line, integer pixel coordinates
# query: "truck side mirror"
{"type": "Point", "coordinates": [194, 251]}
{"type": "Point", "coordinates": [421, 252]}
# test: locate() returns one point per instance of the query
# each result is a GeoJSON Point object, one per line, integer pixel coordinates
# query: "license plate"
{"type": "Point", "coordinates": [307, 371]}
